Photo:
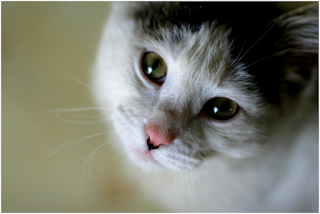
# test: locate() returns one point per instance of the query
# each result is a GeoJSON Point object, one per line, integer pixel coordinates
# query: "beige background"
{"type": "Point", "coordinates": [41, 42]}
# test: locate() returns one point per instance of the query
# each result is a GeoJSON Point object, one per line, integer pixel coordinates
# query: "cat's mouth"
{"type": "Point", "coordinates": [145, 154]}
{"type": "Point", "coordinates": [146, 158]}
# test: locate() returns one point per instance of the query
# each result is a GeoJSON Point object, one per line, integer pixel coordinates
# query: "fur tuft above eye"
{"type": "Point", "coordinates": [154, 67]}
{"type": "Point", "coordinates": [221, 108]}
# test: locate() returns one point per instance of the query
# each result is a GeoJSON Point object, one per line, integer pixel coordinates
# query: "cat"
{"type": "Point", "coordinates": [215, 103]}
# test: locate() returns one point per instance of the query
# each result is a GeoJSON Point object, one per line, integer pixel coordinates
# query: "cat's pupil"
{"type": "Point", "coordinates": [153, 67]}
{"type": "Point", "coordinates": [225, 107]}
{"type": "Point", "coordinates": [155, 64]}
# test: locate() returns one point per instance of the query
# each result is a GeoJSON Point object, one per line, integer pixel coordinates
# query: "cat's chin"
{"type": "Point", "coordinates": [155, 161]}
{"type": "Point", "coordinates": [145, 160]}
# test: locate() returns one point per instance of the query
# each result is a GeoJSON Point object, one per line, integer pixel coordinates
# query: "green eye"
{"type": "Point", "coordinates": [221, 108]}
{"type": "Point", "coordinates": [154, 67]}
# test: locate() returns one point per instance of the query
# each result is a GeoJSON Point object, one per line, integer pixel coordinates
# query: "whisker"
{"type": "Point", "coordinates": [81, 116]}
{"type": "Point", "coordinates": [101, 133]}
{"type": "Point", "coordinates": [79, 122]}
{"type": "Point", "coordinates": [236, 59]}
{"type": "Point", "coordinates": [91, 163]}
{"type": "Point", "coordinates": [231, 176]}
{"type": "Point", "coordinates": [234, 178]}
{"type": "Point", "coordinates": [90, 97]}
{"type": "Point", "coordinates": [88, 162]}
{"type": "Point", "coordinates": [221, 199]}
{"type": "Point", "coordinates": [199, 178]}
{"type": "Point", "coordinates": [174, 187]}
{"type": "Point", "coordinates": [193, 191]}
{"type": "Point", "coordinates": [247, 66]}
{"type": "Point", "coordinates": [215, 194]}
{"type": "Point", "coordinates": [85, 85]}
{"type": "Point", "coordinates": [76, 109]}
{"type": "Point", "coordinates": [90, 156]}
{"type": "Point", "coordinates": [182, 187]}
{"type": "Point", "coordinates": [203, 158]}
{"type": "Point", "coordinates": [260, 38]}
{"type": "Point", "coordinates": [76, 80]}
{"type": "Point", "coordinates": [105, 156]}
{"type": "Point", "coordinates": [189, 190]}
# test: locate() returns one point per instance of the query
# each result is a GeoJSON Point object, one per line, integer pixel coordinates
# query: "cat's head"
{"type": "Point", "coordinates": [190, 81]}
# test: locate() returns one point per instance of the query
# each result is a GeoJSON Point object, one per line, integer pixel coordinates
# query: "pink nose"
{"type": "Point", "coordinates": [158, 136]}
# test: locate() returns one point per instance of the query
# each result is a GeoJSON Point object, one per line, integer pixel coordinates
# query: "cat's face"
{"type": "Point", "coordinates": [180, 95]}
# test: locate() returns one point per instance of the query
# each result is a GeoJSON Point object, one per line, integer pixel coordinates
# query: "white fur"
{"type": "Point", "coordinates": [250, 171]}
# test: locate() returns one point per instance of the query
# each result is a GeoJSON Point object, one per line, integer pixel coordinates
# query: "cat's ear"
{"type": "Point", "coordinates": [298, 34]}
{"type": "Point", "coordinates": [290, 69]}
{"type": "Point", "coordinates": [297, 31]}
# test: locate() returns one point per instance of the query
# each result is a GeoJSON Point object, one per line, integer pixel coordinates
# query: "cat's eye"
{"type": "Point", "coordinates": [221, 108]}
{"type": "Point", "coordinates": [154, 67]}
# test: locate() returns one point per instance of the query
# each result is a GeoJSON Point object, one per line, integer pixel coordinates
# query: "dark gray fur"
{"type": "Point", "coordinates": [249, 22]}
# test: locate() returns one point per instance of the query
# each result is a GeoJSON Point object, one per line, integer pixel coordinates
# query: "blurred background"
{"type": "Point", "coordinates": [47, 48]}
